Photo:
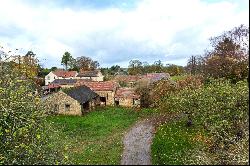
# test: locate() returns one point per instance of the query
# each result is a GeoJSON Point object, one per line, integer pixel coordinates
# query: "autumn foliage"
{"type": "Point", "coordinates": [165, 88]}
{"type": "Point", "coordinates": [228, 58]}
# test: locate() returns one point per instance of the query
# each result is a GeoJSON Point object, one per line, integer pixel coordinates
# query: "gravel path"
{"type": "Point", "coordinates": [137, 143]}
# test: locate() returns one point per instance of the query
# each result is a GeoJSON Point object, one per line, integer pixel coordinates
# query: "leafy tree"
{"type": "Point", "coordinates": [53, 68]}
{"type": "Point", "coordinates": [85, 63]}
{"type": "Point", "coordinates": [174, 70]}
{"type": "Point", "coordinates": [24, 132]}
{"type": "Point", "coordinates": [157, 66]}
{"type": "Point", "coordinates": [195, 65]}
{"type": "Point", "coordinates": [67, 60]}
{"type": "Point", "coordinates": [229, 56]}
{"type": "Point", "coordinates": [146, 67]}
{"type": "Point", "coordinates": [26, 65]}
{"type": "Point", "coordinates": [135, 67]}
{"type": "Point", "coordinates": [114, 69]}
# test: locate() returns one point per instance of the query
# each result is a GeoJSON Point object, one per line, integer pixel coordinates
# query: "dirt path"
{"type": "Point", "coordinates": [137, 141]}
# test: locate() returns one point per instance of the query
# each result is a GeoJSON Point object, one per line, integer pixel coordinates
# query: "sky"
{"type": "Point", "coordinates": [113, 32]}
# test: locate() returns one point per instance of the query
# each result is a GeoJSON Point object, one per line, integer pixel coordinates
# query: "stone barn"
{"type": "Point", "coordinates": [93, 75]}
{"type": "Point", "coordinates": [105, 89]}
{"type": "Point", "coordinates": [73, 101]}
{"type": "Point", "coordinates": [127, 97]}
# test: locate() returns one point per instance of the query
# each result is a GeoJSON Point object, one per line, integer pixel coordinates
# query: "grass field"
{"type": "Point", "coordinates": [97, 137]}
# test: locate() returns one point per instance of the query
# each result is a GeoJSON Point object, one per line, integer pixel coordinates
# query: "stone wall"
{"type": "Point", "coordinates": [57, 102]}
{"type": "Point", "coordinates": [109, 95]}
{"type": "Point", "coordinates": [128, 102]}
{"type": "Point", "coordinates": [67, 86]}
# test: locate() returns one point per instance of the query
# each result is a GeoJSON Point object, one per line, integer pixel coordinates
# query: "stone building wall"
{"type": "Point", "coordinates": [67, 86]}
{"type": "Point", "coordinates": [109, 95]}
{"type": "Point", "coordinates": [58, 102]}
{"type": "Point", "coordinates": [128, 102]}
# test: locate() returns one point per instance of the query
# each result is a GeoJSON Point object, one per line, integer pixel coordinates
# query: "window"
{"type": "Point", "coordinates": [116, 102]}
{"type": "Point", "coordinates": [67, 107]}
{"type": "Point", "coordinates": [48, 77]}
{"type": "Point", "coordinates": [56, 108]}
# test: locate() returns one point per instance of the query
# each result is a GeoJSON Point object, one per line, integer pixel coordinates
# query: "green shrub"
{"type": "Point", "coordinates": [24, 133]}
{"type": "Point", "coordinates": [221, 110]}
{"type": "Point", "coordinates": [166, 88]}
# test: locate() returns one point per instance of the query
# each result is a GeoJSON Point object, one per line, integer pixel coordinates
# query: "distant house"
{"type": "Point", "coordinates": [65, 83]}
{"type": "Point", "coordinates": [105, 89]}
{"type": "Point", "coordinates": [94, 75]}
{"type": "Point", "coordinates": [59, 74]}
{"type": "Point", "coordinates": [74, 101]}
{"type": "Point", "coordinates": [127, 97]}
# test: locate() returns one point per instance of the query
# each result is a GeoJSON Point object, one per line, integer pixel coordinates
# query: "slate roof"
{"type": "Point", "coordinates": [64, 81]}
{"type": "Point", "coordinates": [127, 93]}
{"type": "Point", "coordinates": [93, 73]}
{"type": "Point", "coordinates": [99, 86]}
{"type": "Point", "coordinates": [82, 94]}
{"type": "Point", "coordinates": [64, 74]}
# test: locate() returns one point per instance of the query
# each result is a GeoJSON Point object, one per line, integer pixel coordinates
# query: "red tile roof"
{"type": "Point", "coordinates": [126, 93]}
{"type": "Point", "coordinates": [98, 86]}
{"type": "Point", "coordinates": [64, 74]}
{"type": "Point", "coordinates": [50, 86]}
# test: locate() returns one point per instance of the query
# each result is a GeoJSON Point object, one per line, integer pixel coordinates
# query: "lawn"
{"type": "Point", "coordinates": [97, 137]}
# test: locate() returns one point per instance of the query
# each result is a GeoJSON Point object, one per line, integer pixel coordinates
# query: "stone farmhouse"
{"type": "Point", "coordinates": [127, 97]}
{"type": "Point", "coordinates": [105, 89]}
{"type": "Point", "coordinates": [74, 101]}
{"type": "Point", "coordinates": [95, 75]}
{"type": "Point", "coordinates": [59, 74]}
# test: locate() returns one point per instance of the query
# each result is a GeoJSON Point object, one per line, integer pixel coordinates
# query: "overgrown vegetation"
{"type": "Point", "coordinates": [215, 102]}
{"type": "Point", "coordinates": [23, 130]}
{"type": "Point", "coordinates": [219, 112]}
